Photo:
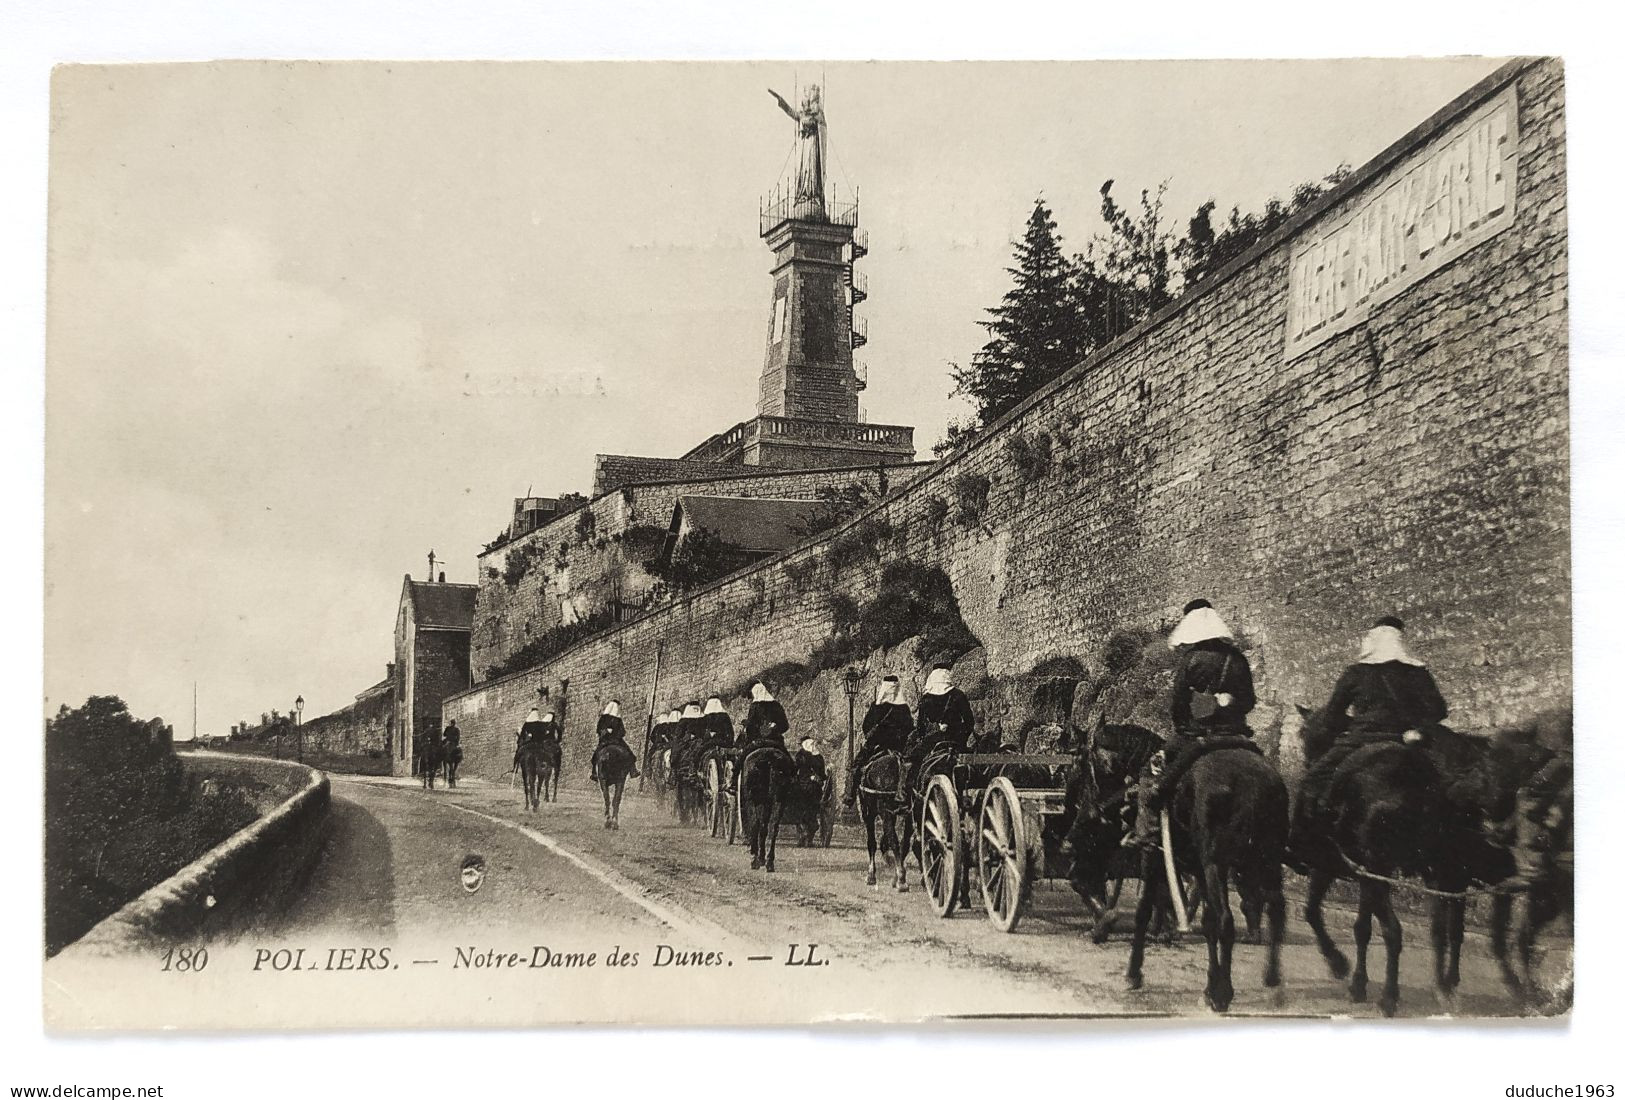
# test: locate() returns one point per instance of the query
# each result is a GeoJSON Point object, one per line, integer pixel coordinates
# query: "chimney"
{"type": "Point", "coordinates": [442, 578]}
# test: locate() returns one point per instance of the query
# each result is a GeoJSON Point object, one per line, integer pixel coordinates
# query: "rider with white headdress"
{"type": "Point", "coordinates": [765, 722]}
{"type": "Point", "coordinates": [1387, 694]}
{"type": "Point", "coordinates": [943, 720]}
{"type": "Point", "coordinates": [534, 728]}
{"type": "Point", "coordinates": [886, 726]}
{"type": "Point", "coordinates": [611, 731]}
{"type": "Point", "coordinates": [719, 725]}
{"type": "Point", "coordinates": [1212, 695]}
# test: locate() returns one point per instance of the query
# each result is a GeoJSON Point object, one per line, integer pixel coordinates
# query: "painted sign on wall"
{"type": "Point", "coordinates": [1443, 201]}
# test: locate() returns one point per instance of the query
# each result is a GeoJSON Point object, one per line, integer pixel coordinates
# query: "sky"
{"type": "Point", "coordinates": [308, 321]}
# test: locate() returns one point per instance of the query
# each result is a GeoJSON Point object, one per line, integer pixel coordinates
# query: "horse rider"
{"type": "Point", "coordinates": [689, 740]}
{"type": "Point", "coordinates": [611, 731]}
{"type": "Point", "coordinates": [719, 726]}
{"type": "Point", "coordinates": [452, 738]}
{"type": "Point", "coordinates": [1213, 693]}
{"type": "Point", "coordinates": [944, 720]}
{"type": "Point", "coordinates": [1387, 695]}
{"type": "Point", "coordinates": [765, 722]}
{"type": "Point", "coordinates": [811, 770]}
{"type": "Point", "coordinates": [660, 735]}
{"type": "Point", "coordinates": [886, 726]}
{"type": "Point", "coordinates": [536, 728]}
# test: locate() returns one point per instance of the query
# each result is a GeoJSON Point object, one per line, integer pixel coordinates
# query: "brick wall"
{"type": "Point", "coordinates": [1415, 463]}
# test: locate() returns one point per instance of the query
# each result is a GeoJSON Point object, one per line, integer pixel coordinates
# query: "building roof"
{"type": "Point", "coordinates": [761, 525]}
{"type": "Point", "coordinates": [443, 606]}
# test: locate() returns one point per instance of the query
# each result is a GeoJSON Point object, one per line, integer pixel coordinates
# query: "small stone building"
{"type": "Point", "coordinates": [432, 630]}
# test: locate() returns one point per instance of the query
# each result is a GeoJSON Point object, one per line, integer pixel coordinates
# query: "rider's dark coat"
{"type": "Point", "coordinates": [1213, 665]}
{"type": "Point", "coordinates": [766, 723]}
{"type": "Point", "coordinates": [1387, 698]}
{"type": "Point", "coordinates": [611, 728]}
{"type": "Point", "coordinates": [944, 719]}
{"type": "Point", "coordinates": [719, 729]}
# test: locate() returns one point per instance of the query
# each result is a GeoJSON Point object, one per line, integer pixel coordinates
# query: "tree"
{"type": "Point", "coordinates": [1131, 264]}
{"type": "Point", "coordinates": [702, 558]}
{"type": "Point", "coordinates": [1204, 249]}
{"type": "Point", "coordinates": [1036, 330]}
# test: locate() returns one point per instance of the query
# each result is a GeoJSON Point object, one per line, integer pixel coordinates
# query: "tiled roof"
{"type": "Point", "coordinates": [762, 525]}
{"type": "Point", "coordinates": [449, 606]}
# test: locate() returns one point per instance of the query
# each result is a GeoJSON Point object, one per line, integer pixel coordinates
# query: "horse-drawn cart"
{"type": "Point", "coordinates": [999, 814]}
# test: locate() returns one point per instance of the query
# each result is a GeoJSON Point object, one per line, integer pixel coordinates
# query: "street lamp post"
{"type": "Point", "coordinates": [849, 683]}
{"type": "Point", "coordinates": [299, 724]}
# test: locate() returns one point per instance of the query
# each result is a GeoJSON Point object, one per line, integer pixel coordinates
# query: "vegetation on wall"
{"type": "Point", "coordinates": [1031, 456]}
{"type": "Point", "coordinates": [520, 560]}
{"type": "Point", "coordinates": [702, 558]}
{"type": "Point", "coordinates": [836, 505]}
{"type": "Point", "coordinates": [642, 542]}
{"type": "Point", "coordinates": [549, 644]}
{"type": "Point", "coordinates": [970, 497]}
{"type": "Point", "coordinates": [912, 600]}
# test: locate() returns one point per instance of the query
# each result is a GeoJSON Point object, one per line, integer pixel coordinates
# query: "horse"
{"type": "Point", "coordinates": [615, 763]}
{"type": "Point", "coordinates": [879, 802]}
{"type": "Point", "coordinates": [536, 766]}
{"type": "Point", "coordinates": [428, 761]}
{"type": "Point", "coordinates": [1100, 800]}
{"type": "Point", "coordinates": [1388, 816]}
{"type": "Point", "coordinates": [554, 752]}
{"type": "Point", "coordinates": [453, 757]}
{"type": "Point", "coordinates": [1230, 809]}
{"type": "Point", "coordinates": [765, 776]}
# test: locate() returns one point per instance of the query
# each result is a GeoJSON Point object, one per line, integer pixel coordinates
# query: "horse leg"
{"type": "Point", "coordinates": [1252, 909]}
{"type": "Point", "coordinates": [1500, 923]}
{"type": "Point", "coordinates": [1337, 962]}
{"type": "Point", "coordinates": [773, 833]}
{"type": "Point", "coordinates": [1392, 939]}
{"type": "Point", "coordinates": [1362, 939]}
{"type": "Point", "coordinates": [1149, 886]}
{"type": "Point", "coordinates": [870, 811]}
{"type": "Point", "coordinates": [603, 787]}
{"type": "Point", "coordinates": [907, 830]}
{"type": "Point", "coordinates": [1275, 915]}
{"type": "Point", "coordinates": [1219, 929]}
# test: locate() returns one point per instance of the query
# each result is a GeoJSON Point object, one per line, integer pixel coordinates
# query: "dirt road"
{"type": "Point", "coordinates": [556, 877]}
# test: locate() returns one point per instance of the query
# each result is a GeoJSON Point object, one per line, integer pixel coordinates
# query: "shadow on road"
{"type": "Point", "coordinates": [351, 888]}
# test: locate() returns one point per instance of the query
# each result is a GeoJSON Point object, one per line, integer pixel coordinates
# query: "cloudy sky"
{"type": "Point", "coordinates": [308, 321]}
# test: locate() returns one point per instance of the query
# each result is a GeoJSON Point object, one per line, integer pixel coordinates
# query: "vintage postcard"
{"type": "Point", "coordinates": [777, 543]}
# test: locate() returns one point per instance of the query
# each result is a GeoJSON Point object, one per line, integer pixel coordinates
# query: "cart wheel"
{"type": "Point", "coordinates": [1001, 854]}
{"type": "Point", "coordinates": [941, 845]}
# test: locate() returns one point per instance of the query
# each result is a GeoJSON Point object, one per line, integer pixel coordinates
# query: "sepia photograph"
{"type": "Point", "coordinates": [784, 543]}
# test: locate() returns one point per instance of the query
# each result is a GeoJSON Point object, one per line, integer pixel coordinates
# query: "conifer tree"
{"type": "Point", "coordinates": [1036, 331]}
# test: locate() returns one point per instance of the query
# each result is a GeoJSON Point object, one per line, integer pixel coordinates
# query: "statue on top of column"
{"type": "Point", "coordinates": [810, 146]}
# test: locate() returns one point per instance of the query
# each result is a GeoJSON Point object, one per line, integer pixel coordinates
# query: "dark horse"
{"type": "Point", "coordinates": [1387, 816]}
{"type": "Point", "coordinates": [1427, 811]}
{"type": "Point", "coordinates": [878, 798]}
{"type": "Point", "coordinates": [615, 762]}
{"type": "Point", "coordinates": [1101, 802]}
{"type": "Point", "coordinates": [430, 754]}
{"type": "Point", "coordinates": [536, 767]}
{"type": "Point", "coordinates": [453, 757]}
{"type": "Point", "coordinates": [765, 776]}
{"type": "Point", "coordinates": [1228, 816]}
